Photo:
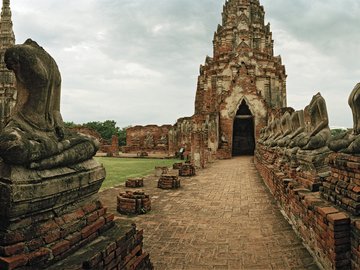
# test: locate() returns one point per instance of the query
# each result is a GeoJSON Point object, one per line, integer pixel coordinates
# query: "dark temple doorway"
{"type": "Point", "coordinates": [243, 131]}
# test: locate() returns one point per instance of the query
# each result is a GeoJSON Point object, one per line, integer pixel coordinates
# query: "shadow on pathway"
{"type": "Point", "coordinates": [223, 218]}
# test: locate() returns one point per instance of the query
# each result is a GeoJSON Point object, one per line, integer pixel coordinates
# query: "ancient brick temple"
{"type": "Point", "coordinates": [236, 89]}
{"type": "Point", "coordinates": [7, 77]}
{"type": "Point", "coordinates": [238, 85]}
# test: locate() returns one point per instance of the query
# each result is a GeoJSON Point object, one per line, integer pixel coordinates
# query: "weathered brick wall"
{"type": "Point", "coordinates": [150, 138]}
{"type": "Point", "coordinates": [332, 234]}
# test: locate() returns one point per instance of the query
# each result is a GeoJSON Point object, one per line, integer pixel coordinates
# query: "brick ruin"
{"type": "Point", "coordinates": [237, 87]}
{"type": "Point", "coordinates": [151, 138]}
{"type": "Point", "coordinates": [315, 178]}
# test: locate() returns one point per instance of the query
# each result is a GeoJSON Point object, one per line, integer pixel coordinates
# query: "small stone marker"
{"type": "Point", "coordinates": [169, 181]}
{"type": "Point", "coordinates": [134, 182]}
{"type": "Point", "coordinates": [133, 203]}
{"type": "Point", "coordinates": [187, 170]}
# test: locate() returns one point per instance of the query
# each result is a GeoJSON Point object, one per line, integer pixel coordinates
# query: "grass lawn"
{"type": "Point", "coordinates": [119, 169]}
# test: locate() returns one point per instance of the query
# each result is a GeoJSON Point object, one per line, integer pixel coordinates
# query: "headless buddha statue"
{"type": "Point", "coordinates": [318, 131]}
{"type": "Point", "coordinates": [349, 142]}
{"type": "Point", "coordinates": [35, 136]}
{"type": "Point", "coordinates": [286, 129]}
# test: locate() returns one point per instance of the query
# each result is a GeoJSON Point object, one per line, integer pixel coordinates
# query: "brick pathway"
{"type": "Point", "coordinates": [223, 218]}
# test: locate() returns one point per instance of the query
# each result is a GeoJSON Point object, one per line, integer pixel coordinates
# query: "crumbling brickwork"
{"type": "Point", "coordinates": [150, 138]}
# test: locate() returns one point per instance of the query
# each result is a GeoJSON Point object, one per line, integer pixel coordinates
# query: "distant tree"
{"type": "Point", "coordinates": [337, 131]}
{"type": "Point", "coordinates": [70, 124]}
{"type": "Point", "coordinates": [122, 136]}
{"type": "Point", "coordinates": [106, 129]}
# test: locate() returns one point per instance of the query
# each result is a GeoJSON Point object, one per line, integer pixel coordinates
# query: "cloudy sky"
{"type": "Point", "coordinates": [137, 61]}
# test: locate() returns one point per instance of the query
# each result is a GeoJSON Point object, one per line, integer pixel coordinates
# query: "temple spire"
{"type": "Point", "coordinates": [7, 77]}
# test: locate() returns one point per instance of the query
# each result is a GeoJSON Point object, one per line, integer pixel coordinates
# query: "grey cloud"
{"type": "Point", "coordinates": [137, 61]}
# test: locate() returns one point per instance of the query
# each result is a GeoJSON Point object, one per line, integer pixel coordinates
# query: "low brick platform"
{"type": "Point", "coordinates": [121, 247]}
{"type": "Point", "coordinates": [187, 170]}
{"type": "Point", "coordinates": [133, 203]}
{"type": "Point", "coordinates": [161, 170]}
{"type": "Point", "coordinates": [177, 165]}
{"type": "Point", "coordinates": [134, 182]}
{"type": "Point", "coordinates": [168, 181]}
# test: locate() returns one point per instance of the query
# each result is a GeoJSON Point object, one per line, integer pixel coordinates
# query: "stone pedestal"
{"type": "Point", "coordinates": [161, 170]}
{"type": "Point", "coordinates": [343, 185]}
{"type": "Point", "coordinates": [46, 215]}
{"type": "Point", "coordinates": [187, 170]}
{"type": "Point", "coordinates": [133, 203]}
{"type": "Point", "coordinates": [312, 164]}
{"type": "Point", "coordinates": [134, 182]}
{"type": "Point", "coordinates": [169, 181]}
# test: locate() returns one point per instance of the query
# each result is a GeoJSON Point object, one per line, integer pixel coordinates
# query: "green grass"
{"type": "Point", "coordinates": [119, 169]}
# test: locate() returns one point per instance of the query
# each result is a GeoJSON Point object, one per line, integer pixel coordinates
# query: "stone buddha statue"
{"type": "Point", "coordinates": [286, 129]}
{"type": "Point", "coordinates": [317, 129]}
{"type": "Point", "coordinates": [35, 136]}
{"type": "Point", "coordinates": [349, 142]}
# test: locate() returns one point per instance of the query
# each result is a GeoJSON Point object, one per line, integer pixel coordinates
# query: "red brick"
{"type": "Point", "coordinates": [48, 226]}
{"type": "Point", "coordinates": [35, 244]}
{"type": "Point", "coordinates": [88, 230]}
{"type": "Point", "coordinates": [60, 247]}
{"type": "Point", "coordinates": [90, 207]}
{"type": "Point", "coordinates": [338, 218]}
{"type": "Point", "coordinates": [92, 217]}
{"type": "Point", "coordinates": [52, 236]}
{"type": "Point", "coordinates": [109, 217]}
{"type": "Point", "coordinates": [102, 211]}
{"type": "Point", "coordinates": [39, 256]}
{"type": "Point", "coordinates": [74, 238]}
{"type": "Point", "coordinates": [59, 221]}
{"type": "Point", "coordinates": [9, 263]}
{"type": "Point", "coordinates": [12, 250]}
{"type": "Point", "coordinates": [73, 216]}
{"type": "Point", "coordinates": [324, 211]}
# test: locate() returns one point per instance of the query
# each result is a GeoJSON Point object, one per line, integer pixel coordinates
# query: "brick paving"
{"type": "Point", "coordinates": [223, 218]}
